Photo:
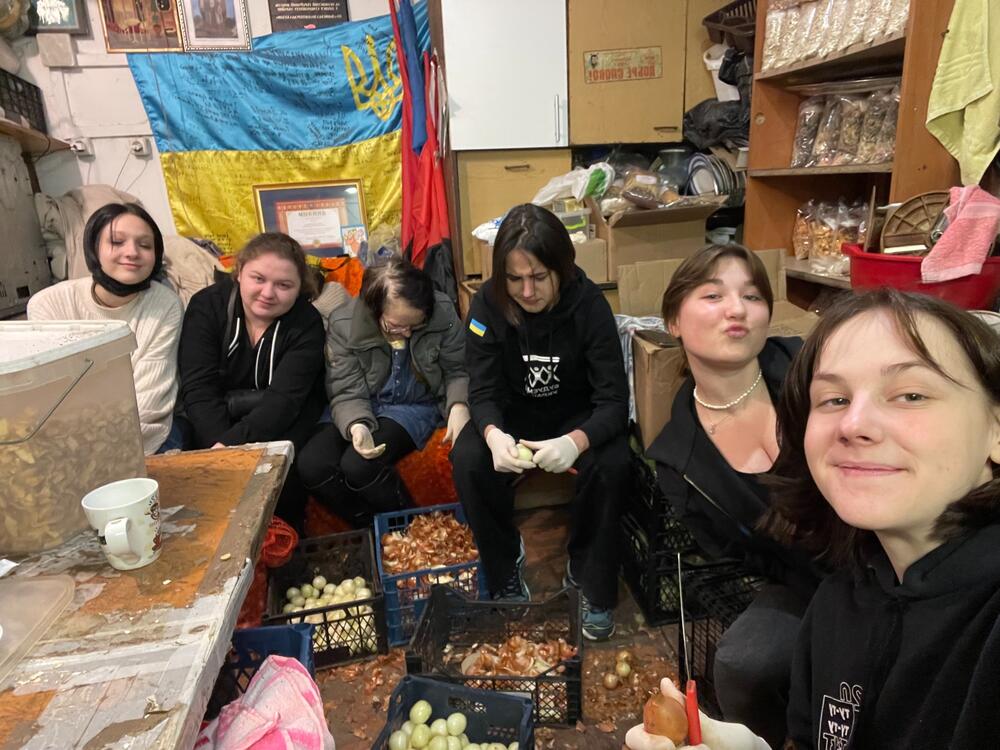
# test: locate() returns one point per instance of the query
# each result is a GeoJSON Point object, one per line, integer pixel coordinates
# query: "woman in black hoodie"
{"type": "Point", "coordinates": [251, 355]}
{"type": "Point", "coordinates": [546, 372]}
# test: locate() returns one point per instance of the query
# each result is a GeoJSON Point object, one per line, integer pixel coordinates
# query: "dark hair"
{"type": "Point", "coordinates": [104, 216]}
{"type": "Point", "coordinates": [539, 232]}
{"type": "Point", "coordinates": [283, 246]}
{"type": "Point", "coordinates": [799, 513]}
{"type": "Point", "coordinates": [699, 267]}
{"type": "Point", "coordinates": [398, 279]}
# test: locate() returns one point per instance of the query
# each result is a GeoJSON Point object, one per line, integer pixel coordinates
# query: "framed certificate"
{"type": "Point", "coordinates": [327, 218]}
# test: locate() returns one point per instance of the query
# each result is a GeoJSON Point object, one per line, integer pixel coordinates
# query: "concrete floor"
{"type": "Point", "coordinates": [355, 696]}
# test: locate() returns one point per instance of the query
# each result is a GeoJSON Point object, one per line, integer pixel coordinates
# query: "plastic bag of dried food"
{"type": "Point", "coordinates": [886, 148]}
{"type": "Point", "coordinates": [898, 15]}
{"type": "Point", "coordinates": [642, 187]}
{"type": "Point", "coordinates": [878, 103]}
{"type": "Point", "coordinates": [772, 37]}
{"type": "Point", "coordinates": [852, 116]}
{"type": "Point", "coordinates": [789, 29]}
{"type": "Point", "coordinates": [824, 250]}
{"type": "Point", "coordinates": [848, 232]}
{"type": "Point", "coordinates": [802, 229]}
{"type": "Point", "coordinates": [810, 114]}
{"type": "Point", "coordinates": [857, 17]}
{"type": "Point", "coordinates": [817, 30]}
{"type": "Point", "coordinates": [808, 15]}
{"type": "Point", "coordinates": [835, 27]}
{"type": "Point", "coordinates": [878, 19]}
{"type": "Point", "coordinates": [825, 145]}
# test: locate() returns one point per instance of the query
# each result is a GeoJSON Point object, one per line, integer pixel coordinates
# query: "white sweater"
{"type": "Point", "coordinates": [155, 318]}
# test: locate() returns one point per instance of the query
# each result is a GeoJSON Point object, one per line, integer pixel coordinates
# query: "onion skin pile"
{"type": "Point", "coordinates": [432, 540]}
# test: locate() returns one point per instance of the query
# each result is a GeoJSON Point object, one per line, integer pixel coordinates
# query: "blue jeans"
{"type": "Point", "coordinates": [175, 439]}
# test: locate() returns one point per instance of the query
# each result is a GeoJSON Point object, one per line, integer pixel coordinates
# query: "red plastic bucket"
{"type": "Point", "coordinates": [873, 270]}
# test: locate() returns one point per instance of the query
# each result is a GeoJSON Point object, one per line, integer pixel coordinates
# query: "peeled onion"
{"type": "Point", "coordinates": [622, 669]}
{"type": "Point", "coordinates": [420, 712]}
{"type": "Point", "coordinates": [524, 453]}
{"type": "Point", "coordinates": [665, 717]}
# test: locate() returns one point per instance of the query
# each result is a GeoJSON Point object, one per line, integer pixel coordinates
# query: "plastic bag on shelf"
{"type": "Point", "coordinates": [802, 229]}
{"type": "Point", "coordinates": [886, 149]}
{"type": "Point", "coordinates": [835, 27]}
{"type": "Point", "coordinates": [772, 37]}
{"type": "Point", "coordinates": [579, 183]}
{"type": "Point", "coordinates": [878, 19]}
{"type": "Point", "coordinates": [854, 31]}
{"type": "Point", "coordinates": [789, 31]}
{"type": "Point", "coordinates": [852, 116]}
{"type": "Point", "coordinates": [817, 31]}
{"type": "Point", "coordinates": [642, 187]}
{"type": "Point", "coordinates": [825, 146]}
{"type": "Point", "coordinates": [808, 16]}
{"type": "Point", "coordinates": [898, 15]}
{"type": "Point", "coordinates": [848, 231]}
{"type": "Point", "coordinates": [824, 252]}
{"type": "Point", "coordinates": [810, 114]}
{"type": "Point", "coordinates": [878, 103]}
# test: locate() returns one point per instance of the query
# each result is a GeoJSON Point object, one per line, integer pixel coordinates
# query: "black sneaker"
{"type": "Point", "coordinates": [569, 582]}
{"type": "Point", "coordinates": [598, 624]}
{"type": "Point", "coordinates": [515, 589]}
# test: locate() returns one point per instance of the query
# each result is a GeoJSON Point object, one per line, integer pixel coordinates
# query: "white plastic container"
{"type": "Point", "coordinates": [68, 424]}
{"type": "Point", "coordinates": [724, 92]}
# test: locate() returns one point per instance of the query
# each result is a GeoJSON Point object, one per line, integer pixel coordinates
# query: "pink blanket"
{"type": "Point", "coordinates": [973, 215]}
{"type": "Point", "coordinates": [281, 710]}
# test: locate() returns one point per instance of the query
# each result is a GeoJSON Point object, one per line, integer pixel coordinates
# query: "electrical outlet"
{"type": "Point", "coordinates": [140, 146]}
{"type": "Point", "coordinates": [82, 147]}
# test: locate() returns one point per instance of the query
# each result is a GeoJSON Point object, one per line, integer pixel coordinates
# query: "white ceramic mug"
{"type": "Point", "coordinates": [126, 517]}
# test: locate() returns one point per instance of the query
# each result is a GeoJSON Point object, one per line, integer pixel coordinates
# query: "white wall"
{"type": "Point", "coordinates": [98, 99]}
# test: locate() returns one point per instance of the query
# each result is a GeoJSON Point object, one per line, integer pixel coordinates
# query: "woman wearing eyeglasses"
{"type": "Point", "coordinates": [395, 368]}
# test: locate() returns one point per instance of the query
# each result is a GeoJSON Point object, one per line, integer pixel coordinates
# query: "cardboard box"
{"type": "Point", "coordinates": [591, 256]}
{"type": "Point", "coordinates": [657, 362]}
{"type": "Point", "coordinates": [656, 234]}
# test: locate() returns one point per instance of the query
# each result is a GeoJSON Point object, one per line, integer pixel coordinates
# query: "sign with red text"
{"type": "Point", "coordinates": [613, 65]}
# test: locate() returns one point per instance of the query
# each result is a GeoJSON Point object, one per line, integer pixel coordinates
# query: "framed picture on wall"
{"type": "Point", "coordinates": [327, 218]}
{"type": "Point", "coordinates": [141, 25]}
{"type": "Point", "coordinates": [214, 25]}
{"type": "Point", "coordinates": [65, 16]}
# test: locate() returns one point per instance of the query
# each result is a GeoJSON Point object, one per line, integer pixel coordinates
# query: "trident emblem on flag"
{"type": "Point", "coordinates": [380, 92]}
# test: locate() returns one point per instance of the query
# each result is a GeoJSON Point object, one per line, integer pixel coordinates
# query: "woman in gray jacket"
{"type": "Point", "coordinates": [395, 367]}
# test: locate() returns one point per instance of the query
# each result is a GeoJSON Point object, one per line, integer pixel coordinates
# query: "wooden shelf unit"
{"type": "Point", "coordinates": [32, 142]}
{"type": "Point", "coordinates": [775, 191]}
{"type": "Point", "coordinates": [808, 171]}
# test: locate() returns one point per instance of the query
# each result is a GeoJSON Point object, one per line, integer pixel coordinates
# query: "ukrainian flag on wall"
{"type": "Point", "coordinates": [303, 106]}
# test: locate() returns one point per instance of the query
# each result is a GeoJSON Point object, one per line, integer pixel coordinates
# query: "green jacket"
{"type": "Point", "coordinates": [359, 360]}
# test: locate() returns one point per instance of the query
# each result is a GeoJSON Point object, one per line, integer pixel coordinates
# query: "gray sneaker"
{"type": "Point", "coordinates": [569, 582]}
{"type": "Point", "coordinates": [515, 589]}
{"type": "Point", "coordinates": [598, 624]}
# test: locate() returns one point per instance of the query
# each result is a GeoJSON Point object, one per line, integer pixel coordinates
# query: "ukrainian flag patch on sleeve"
{"type": "Point", "coordinates": [476, 327]}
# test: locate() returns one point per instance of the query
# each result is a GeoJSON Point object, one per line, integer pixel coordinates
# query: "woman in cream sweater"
{"type": "Point", "coordinates": [123, 248]}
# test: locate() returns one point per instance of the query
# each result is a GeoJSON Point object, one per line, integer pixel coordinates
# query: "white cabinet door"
{"type": "Point", "coordinates": [506, 67]}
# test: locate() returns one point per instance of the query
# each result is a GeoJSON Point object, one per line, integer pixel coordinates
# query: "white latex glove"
{"type": "Point", "coordinates": [556, 455]}
{"type": "Point", "coordinates": [458, 417]}
{"type": "Point", "coordinates": [715, 735]}
{"type": "Point", "coordinates": [364, 443]}
{"type": "Point", "coordinates": [504, 451]}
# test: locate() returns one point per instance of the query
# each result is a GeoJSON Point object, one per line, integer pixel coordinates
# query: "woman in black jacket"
{"type": "Point", "coordinates": [546, 372]}
{"type": "Point", "coordinates": [720, 438]}
{"type": "Point", "coordinates": [251, 355]}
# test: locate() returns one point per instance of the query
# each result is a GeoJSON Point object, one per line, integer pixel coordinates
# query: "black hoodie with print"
{"type": "Point", "coordinates": [911, 666]}
{"type": "Point", "coordinates": [555, 367]}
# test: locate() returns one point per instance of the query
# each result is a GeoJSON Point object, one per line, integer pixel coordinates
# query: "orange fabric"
{"type": "Point", "coordinates": [345, 271]}
{"type": "Point", "coordinates": [321, 521]}
{"type": "Point", "coordinates": [279, 543]}
{"type": "Point", "coordinates": [427, 473]}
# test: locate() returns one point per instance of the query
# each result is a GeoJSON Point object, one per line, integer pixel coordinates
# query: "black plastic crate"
{"type": "Point", "coordinates": [718, 597]}
{"type": "Point", "coordinates": [18, 97]}
{"type": "Point", "coordinates": [656, 516]}
{"type": "Point", "coordinates": [652, 575]}
{"type": "Point", "coordinates": [250, 647]}
{"type": "Point", "coordinates": [406, 593]}
{"type": "Point", "coordinates": [344, 632]}
{"type": "Point", "coordinates": [453, 621]}
{"type": "Point", "coordinates": [492, 717]}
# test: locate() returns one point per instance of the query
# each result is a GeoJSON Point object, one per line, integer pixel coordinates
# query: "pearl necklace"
{"type": "Point", "coordinates": [735, 401]}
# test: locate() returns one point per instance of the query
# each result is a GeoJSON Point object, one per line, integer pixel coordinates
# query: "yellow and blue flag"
{"type": "Point", "coordinates": [303, 106]}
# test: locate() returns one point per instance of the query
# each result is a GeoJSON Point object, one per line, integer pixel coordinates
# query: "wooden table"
{"type": "Point", "coordinates": [132, 660]}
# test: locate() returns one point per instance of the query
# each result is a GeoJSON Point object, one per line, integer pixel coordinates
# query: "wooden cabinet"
{"type": "Point", "coordinates": [491, 182]}
{"type": "Point", "coordinates": [626, 70]}
{"type": "Point", "coordinates": [506, 70]}
{"type": "Point", "coordinates": [775, 191]}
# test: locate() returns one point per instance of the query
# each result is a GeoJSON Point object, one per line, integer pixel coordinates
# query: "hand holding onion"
{"type": "Point", "coordinates": [665, 727]}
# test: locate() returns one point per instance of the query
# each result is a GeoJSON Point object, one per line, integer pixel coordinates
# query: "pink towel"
{"type": "Point", "coordinates": [973, 215]}
{"type": "Point", "coordinates": [281, 710]}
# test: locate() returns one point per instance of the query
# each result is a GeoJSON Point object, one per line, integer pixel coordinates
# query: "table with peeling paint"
{"type": "Point", "coordinates": [132, 660]}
